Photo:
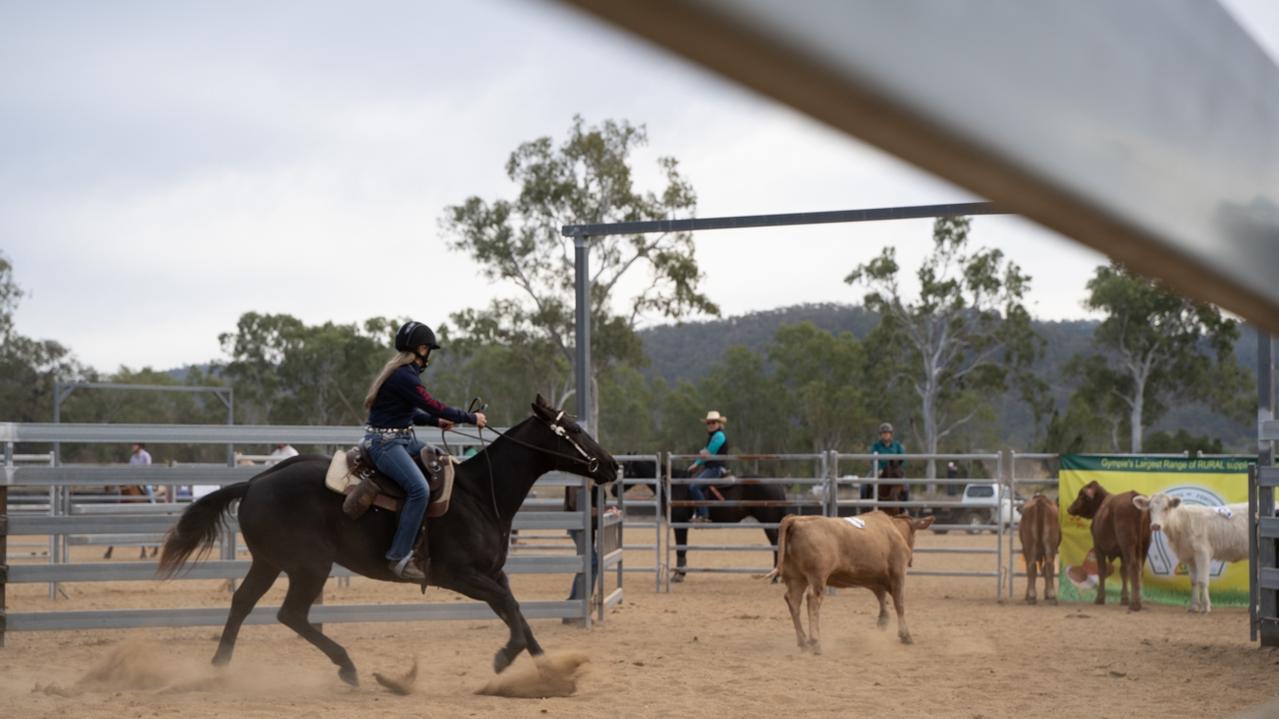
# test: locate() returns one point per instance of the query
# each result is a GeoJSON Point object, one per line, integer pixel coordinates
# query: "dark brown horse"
{"type": "Point", "coordinates": [293, 524]}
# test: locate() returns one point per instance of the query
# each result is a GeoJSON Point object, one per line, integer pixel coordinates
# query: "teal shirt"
{"type": "Point", "coordinates": [717, 440]}
{"type": "Point", "coordinates": [893, 447]}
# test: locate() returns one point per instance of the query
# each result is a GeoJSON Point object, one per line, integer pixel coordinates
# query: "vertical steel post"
{"type": "Point", "coordinates": [1002, 468]}
{"type": "Point", "coordinates": [229, 400]}
{"type": "Point", "coordinates": [582, 285]}
{"type": "Point", "coordinates": [1012, 508]}
{"type": "Point", "coordinates": [832, 483]}
{"type": "Point", "coordinates": [57, 419]}
{"type": "Point", "coordinates": [1268, 604]}
{"type": "Point", "coordinates": [666, 492]}
{"type": "Point", "coordinates": [658, 524]}
{"type": "Point", "coordinates": [588, 546]}
{"type": "Point", "coordinates": [1253, 578]}
{"type": "Point", "coordinates": [4, 537]}
{"type": "Point", "coordinates": [55, 492]}
{"type": "Point", "coordinates": [601, 507]}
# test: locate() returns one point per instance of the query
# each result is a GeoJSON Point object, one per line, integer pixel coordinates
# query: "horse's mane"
{"type": "Point", "coordinates": [468, 465]}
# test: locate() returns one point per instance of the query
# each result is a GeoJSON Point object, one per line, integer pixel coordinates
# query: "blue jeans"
{"type": "Point", "coordinates": [393, 456]}
{"type": "Point", "coordinates": [698, 491]}
{"type": "Point", "coordinates": [579, 539]}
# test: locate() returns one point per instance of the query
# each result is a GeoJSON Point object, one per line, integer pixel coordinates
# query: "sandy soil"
{"type": "Point", "coordinates": [718, 645]}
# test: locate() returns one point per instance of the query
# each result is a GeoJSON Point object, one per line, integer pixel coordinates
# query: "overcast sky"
{"type": "Point", "coordinates": [169, 166]}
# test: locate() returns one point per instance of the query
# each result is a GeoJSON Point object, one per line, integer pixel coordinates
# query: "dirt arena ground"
{"type": "Point", "coordinates": [718, 645]}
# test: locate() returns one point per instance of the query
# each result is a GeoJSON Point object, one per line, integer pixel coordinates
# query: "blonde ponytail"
{"type": "Point", "coordinates": [399, 360]}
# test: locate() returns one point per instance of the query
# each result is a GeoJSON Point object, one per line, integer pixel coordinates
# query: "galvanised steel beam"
{"type": "Point", "coordinates": [1143, 129]}
{"type": "Point", "coordinates": [875, 214]}
{"type": "Point", "coordinates": [194, 433]}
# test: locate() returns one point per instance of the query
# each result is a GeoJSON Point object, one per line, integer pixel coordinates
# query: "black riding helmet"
{"type": "Point", "coordinates": [412, 335]}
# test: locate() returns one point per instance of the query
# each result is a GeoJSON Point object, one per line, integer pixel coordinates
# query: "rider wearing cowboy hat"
{"type": "Point", "coordinates": [716, 443]}
{"type": "Point", "coordinates": [396, 401]}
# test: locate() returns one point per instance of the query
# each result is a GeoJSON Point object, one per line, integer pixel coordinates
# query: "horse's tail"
{"type": "Point", "coordinates": [197, 529]}
{"type": "Point", "coordinates": [787, 522]}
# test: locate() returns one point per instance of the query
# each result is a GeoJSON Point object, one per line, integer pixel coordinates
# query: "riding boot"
{"type": "Point", "coordinates": [422, 554]}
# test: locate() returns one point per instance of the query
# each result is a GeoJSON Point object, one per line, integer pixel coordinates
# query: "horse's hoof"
{"type": "Point", "coordinates": [906, 639]}
{"type": "Point", "coordinates": [350, 676]}
{"type": "Point", "coordinates": [500, 661]}
{"type": "Point", "coordinates": [1030, 600]}
{"type": "Point", "coordinates": [221, 660]}
{"type": "Point", "coordinates": [776, 579]}
{"type": "Point", "coordinates": [815, 648]}
{"type": "Point", "coordinates": [677, 578]}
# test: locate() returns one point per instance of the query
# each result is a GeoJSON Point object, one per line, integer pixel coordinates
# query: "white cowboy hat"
{"type": "Point", "coordinates": [714, 416]}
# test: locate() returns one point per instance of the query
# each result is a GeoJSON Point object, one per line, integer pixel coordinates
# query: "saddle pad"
{"type": "Point", "coordinates": [856, 522]}
{"type": "Point", "coordinates": [339, 478]}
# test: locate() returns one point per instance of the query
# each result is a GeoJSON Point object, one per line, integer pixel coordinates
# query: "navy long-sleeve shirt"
{"type": "Point", "coordinates": [403, 400]}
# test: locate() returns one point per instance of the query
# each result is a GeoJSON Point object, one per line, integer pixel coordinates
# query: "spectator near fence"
{"type": "Point", "coordinates": [280, 453]}
{"type": "Point", "coordinates": [140, 455]}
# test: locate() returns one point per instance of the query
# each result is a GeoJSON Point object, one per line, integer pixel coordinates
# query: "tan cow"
{"type": "Point", "coordinates": [870, 550]}
{"type": "Point", "coordinates": [1040, 532]}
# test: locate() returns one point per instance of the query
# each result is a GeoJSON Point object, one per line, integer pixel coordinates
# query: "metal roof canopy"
{"type": "Point", "coordinates": [1145, 130]}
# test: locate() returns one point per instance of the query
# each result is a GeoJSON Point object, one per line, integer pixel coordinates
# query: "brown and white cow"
{"type": "Point", "coordinates": [871, 550]}
{"type": "Point", "coordinates": [1119, 531]}
{"type": "Point", "coordinates": [1198, 535]}
{"type": "Point", "coordinates": [1040, 533]}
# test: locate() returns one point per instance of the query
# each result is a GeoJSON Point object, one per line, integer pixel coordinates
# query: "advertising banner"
{"type": "Point", "coordinates": [1208, 482]}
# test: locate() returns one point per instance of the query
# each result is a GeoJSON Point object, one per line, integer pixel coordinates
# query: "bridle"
{"type": "Point", "coordinates": [592, 463]}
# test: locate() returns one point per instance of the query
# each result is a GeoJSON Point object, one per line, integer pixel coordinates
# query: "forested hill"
{"type": "Point", "coordinates": [688, 351]}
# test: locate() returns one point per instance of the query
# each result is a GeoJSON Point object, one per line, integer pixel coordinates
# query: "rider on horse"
{"type": "Point", "coordinates": [888, 469]}
{"type": "Point", "coordinates": [396, 401]}
{"type": "Point", "coordinates": [716, 443]}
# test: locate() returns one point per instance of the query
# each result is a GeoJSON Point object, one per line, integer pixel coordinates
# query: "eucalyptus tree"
{"type": "Point", "coordinates": [587, 178]}
{"type": "Point", "coordinates": [965, 339]}
{"type": "Point", "coordinates": [1155, 347]}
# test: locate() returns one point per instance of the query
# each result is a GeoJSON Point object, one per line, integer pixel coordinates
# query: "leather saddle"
{"type": "Point", "coordinates": [352, 473]}
{"type": "Point", "coordinates": [717, 490]}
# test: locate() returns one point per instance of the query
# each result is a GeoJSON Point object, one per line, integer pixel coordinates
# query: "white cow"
{"type": "Point", "coordinates": [1198, 535]}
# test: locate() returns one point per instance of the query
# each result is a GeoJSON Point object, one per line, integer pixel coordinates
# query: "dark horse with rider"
{"type": "Point", "coordinates": [295, 525]}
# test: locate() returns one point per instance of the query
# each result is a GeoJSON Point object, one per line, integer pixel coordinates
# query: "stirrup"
{"type": "Point", "coordinates": [407, 569]}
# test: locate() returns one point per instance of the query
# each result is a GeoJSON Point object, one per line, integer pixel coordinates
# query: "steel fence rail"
{"type": "Point", "coordinates": [820, 479]}
{"type": "Point", "coordinates": [875, 481]}
{"type": "Point", "coordinates": [65, 432]}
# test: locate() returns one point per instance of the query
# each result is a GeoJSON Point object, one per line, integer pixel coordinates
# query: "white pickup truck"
{"type": "Point", "coordinates": [977, 509]}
